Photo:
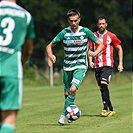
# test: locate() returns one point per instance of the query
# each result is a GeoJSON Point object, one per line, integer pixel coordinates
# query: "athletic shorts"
{"type": "Point", "coordinates": [74, 77]}
{"type": "Point", "coordinates": [103, 74]}
{"type": "Point", "coordinates": [10, 93]}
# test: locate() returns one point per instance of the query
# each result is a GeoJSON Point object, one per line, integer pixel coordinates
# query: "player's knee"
{"type": "Point", "coordinates": [73, 89]}
{"type": "Point", "coordinates": [103, 82]}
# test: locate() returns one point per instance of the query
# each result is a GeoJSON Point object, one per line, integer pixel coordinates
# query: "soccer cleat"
{"type": "Point", "coordinates": [69, 121]}
{"type": "Point", "coordinates": [61, 120]}
{"type": "Point", "coordinates": [105, 113]}
{"type": "Point", "coordinates": [111, 113]}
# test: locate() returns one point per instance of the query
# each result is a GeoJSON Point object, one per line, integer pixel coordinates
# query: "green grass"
{"type": "Point", "coordinates": [42, 107]}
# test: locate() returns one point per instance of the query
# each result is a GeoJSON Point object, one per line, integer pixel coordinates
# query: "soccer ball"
{"type": "Point", "coordinates": [73, 112]}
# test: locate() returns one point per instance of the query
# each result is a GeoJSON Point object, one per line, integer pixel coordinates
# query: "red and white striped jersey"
{"type": "Point", "coordinates": [105, 57]}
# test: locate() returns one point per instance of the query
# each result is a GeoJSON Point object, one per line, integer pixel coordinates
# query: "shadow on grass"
{"type": "Point", "coordinates": [57, 125]}
{"type": "Point", "coordinates": [54, 124]}
{"type": "Point", "coordinates": [91, 116]}
{"type": "Point", "coordinates": [45, 124]}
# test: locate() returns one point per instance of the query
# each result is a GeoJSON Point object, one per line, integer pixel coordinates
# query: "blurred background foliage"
{"type": "Point", "coordinates": [50, 18]}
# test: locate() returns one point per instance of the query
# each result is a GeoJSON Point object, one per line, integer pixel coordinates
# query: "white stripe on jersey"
{"type": "Point", "coordinates": [100, 55]}
{"type": "Point", "coordinates": [20, 72]}
{"type": "Point", "coordinates": [108, 51]}
{"type": "Point", "coordinates": [20, 91]}
{"type": "Point", "coordinates": [28, 17]}
{"type": "Point", "coordinates": [75, 55]}
{"type": "Point", "coordinates": [75, 48]}
{"type": "Point", "coordinates": [74, 61]}
{"type": "Point", "coordinates": [75, 34]}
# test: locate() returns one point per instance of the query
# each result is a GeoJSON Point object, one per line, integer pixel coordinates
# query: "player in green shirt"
{"type": "Point", "coordinates": [16, 29]}
{"type": "Point", "coordinates": [75, 41]}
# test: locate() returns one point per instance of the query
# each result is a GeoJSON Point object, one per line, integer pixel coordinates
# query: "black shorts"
{"type": "Point", "coordinates": [103, 74]}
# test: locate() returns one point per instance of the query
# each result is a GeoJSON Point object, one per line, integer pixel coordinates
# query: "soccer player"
{"type": "Point", "coordinates": [104, 62]}
{"type": "Point", "coordinates": [75, 42]}
{"type": "Point", "coordinates": [16, 29]}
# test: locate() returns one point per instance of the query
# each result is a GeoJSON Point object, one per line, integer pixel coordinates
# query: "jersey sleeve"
{"type": "Point", "coordinates": [115, 40]}
{"type": "Point", "coordinates": [91, 35]}
{"type": "Point", "coordinates": [58, 38]}
{"type": "Point", "coordinates": [30, 30]}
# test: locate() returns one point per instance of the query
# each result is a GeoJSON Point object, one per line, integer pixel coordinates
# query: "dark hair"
{"type": "Point", "coordinates": [101, 18]}
{"type": "Point", "coordinates": [73, 12]}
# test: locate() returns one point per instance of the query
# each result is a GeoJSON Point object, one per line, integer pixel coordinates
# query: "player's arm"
{"type": "Point", "coordinates": [98, 50]}
{"type": "Point", "coordinates": [27, 50]}
{"type": "Point", "coordinates": [120, 55]}
{"type": "Point", "coordinates": [50, 52]}
{"type": "Point", "coordinates": [90, 44]}
{"type": "Point", "coordinates": [91, 63]}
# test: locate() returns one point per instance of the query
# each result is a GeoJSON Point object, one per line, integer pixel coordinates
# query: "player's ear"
{"type": "Point", "coordinates": [79, 19]}
{"type": "Point", "coordinates": [106, 24]}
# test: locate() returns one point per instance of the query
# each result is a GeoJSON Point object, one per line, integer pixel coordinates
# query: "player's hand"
{"type": "Point", "coordinates": [91, 64]}
{"type": "Point", "coordinates": [52, 58]}
{"type": "Point", "coordinates": [91, 53]}
{"type": "Point", "coordinates": [120, 68]}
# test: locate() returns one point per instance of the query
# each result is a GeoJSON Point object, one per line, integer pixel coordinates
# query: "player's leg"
{"type": "Point", "coordinates": [106, 95]}
{"type": "Point", "coordinates": [104, 81]}
{"type": "Point", "coordinates": [8, 121]}
{"type": "Point", "coordinates": [77, 77]}
{"type": "Point", "coordinates": [70, 99]}
{"type": "Point", "coordinates": [67, 78]}
{"type": "Point", "coordinates": [98, 73]}
{"type": "Point", "coordinates": [11, 97]}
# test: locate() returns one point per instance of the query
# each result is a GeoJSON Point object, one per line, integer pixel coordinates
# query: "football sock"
{"type": "Point", "coordinates": [110, 108]}
{"type": "Point", "coordinates": [103, 100]}
{"type": "Point", "coordinates": [7, 128]}
{"type": "Point", "coordinates": [106, 97]}
{"type": "Point", "coordinates": [68, 101]}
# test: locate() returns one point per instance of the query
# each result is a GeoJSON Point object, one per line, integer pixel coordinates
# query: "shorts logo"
{"type": "Point", "coordinates": [104, 79]}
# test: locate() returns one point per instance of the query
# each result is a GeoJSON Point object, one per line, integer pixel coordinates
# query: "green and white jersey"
{"type": "Point", "coordinates": [16, 25]}
{"type": "Point", "coordinates": [75, 47]}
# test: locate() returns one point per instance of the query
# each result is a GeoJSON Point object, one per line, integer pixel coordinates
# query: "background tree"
{"type": "Point", "coordinates": [50, 18]}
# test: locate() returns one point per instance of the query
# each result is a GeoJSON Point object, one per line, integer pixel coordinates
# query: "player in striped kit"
{"type": "Point", "coordinates": [16, 30]}
{"type": "Point", "coordinates": [75, 42]}
{"type": "Point", "coordinates": [104, 62]}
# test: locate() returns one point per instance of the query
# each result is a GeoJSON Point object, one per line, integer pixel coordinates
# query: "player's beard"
{"type": "Point", "coordinates": [101, 30]}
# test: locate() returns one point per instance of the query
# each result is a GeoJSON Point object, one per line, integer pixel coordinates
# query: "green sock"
{"type": "Point", "coordinates": [7, 128]}
{"type": "Point", "coordinates": [69, 101]}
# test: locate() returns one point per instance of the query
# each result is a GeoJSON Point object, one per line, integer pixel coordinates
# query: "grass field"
{"type": "Point", "coordinates": [43, 105]}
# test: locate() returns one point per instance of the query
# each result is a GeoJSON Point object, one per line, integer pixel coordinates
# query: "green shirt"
{"type": "Point", "coordinates": [75, 47]}
{"type": "Point", "coordinates": [16, 25]}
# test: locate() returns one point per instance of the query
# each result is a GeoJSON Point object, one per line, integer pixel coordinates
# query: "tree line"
{"type": "Point", "coordinates": [50, 17]}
